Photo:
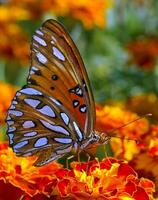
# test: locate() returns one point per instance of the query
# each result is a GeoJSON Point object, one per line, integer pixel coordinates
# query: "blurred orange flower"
{"type": "Point", "coordinates": [14, 43]}
{"type": "Point", "coordinates": [144, 103]}
{"type": "Point", "coordinates": [90, 13]}
{"type": "Point", "coordinates": [7, 94]}
{"type": "Point", "coordinates": [109, 179]}
{"type": "Point", "coordinates": [111, 117]}
{"type": "Point", "coordinates": [146, 161]}
{"type": "Point", "coordinates": [27, 9]}
{"type": "Point", "coordinates": [13, 13]}
{"type": "Point", "coordinates": [144, 52]}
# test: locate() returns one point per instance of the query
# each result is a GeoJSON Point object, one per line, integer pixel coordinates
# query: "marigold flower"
{"type": "Point", "coordinates": [110, 117]}
{"type": "Point", "coordinates": [7, 94]}
{"type": "Point", "coordinates": [144, 52]}
{"type": "Point", "coordinates": [143, 156]}
{"type": "Point", "coordinates": [109, 179]}
{"type": "Point", "coordinates": [146, 161]}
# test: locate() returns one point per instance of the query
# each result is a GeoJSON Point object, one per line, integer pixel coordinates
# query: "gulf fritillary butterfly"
{"type": "Point", "coordinates": [54, 113]}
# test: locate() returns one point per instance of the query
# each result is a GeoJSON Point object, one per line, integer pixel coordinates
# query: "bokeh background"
{"type": "Point", "coordinates": [118, 41]}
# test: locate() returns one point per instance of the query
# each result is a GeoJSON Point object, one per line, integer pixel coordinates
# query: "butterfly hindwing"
{"type": "Point", "coordinates": [37, 123]}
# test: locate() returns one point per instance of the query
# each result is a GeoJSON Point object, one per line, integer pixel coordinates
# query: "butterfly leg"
{"type": "Point", "coordinates": [78, 155]}
{"type": "Point", "coordinates": [68, 159]}
{"type": "Point", "coordinates": [105, 152]}
{"type": "Point", "coordinates": [89, 157]}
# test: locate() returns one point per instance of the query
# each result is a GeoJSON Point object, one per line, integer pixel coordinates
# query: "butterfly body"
{"type": "Point", "coordinates": [54, 113]}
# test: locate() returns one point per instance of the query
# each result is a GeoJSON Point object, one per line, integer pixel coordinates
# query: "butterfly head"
{"type": "Point", "coordinates": [101, 138]}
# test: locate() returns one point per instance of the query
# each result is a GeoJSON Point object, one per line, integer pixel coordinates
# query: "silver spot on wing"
{"type": "Point", "coordinates": [41, 58]}
{"type": "Point", "coordinates": [63, 140]}
{"type": "Point", "coordinates": [30, 134]}
{"type": "Point", "coordinates": [65, 118]}
{"type": "Point", "coordinates": [55, 128]}
{"type": "Point", "coordinates": [11, 129]}
{"type": "Point", "coordinates": [46, 110]}
{"type": "Point", "coordinates": [41, 142]}
{"type": "Point", "coordinates": [32, 102]}
{"type": "Point", "coordinates": [12, 107]}
{"type": "Point", "coordinates": [79, 133]}
{"type": "Point", "coordinates": [20, 144]}
{"type": "Point", "coordinates": [39, 32]}
{"type": "Point", "coordinates": [11, 136]}
{"type": "Point", "coordinates": [28, 124]}
{"type": "Point", "coordinates": [10, 123]}
{"type": "Point", "coordinates": [58, 54]}
{"type": "Point", "coordinates": [15, 112]}
{"type": "Point", "coordinates": [55, 101]}
{"type": "Point", "coordinates": [39, 40]}
{"type": "Point", "coordinates": [30, 91]}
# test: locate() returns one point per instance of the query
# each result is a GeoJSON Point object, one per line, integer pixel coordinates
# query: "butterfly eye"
{"type": "Point", "coordinates": [96, 137]}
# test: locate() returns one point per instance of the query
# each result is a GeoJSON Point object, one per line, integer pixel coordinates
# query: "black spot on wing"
{"type": "Point", "coordinates": [32, 82]}
{"type": "Point", "coordinates": [83, 108]}
{"type": "Point", "coordinates": [40, 105]}
{"type": "Point", "coordinates": [75, 103]}
{"type": "Point", "coordinates": [52, 88]}
{"type": "Point", "coordinates": [54, 77]}
{"type": "Point", "coordinates": [38, 73]}
{"type": "Point", "coordinates": [77, 90]}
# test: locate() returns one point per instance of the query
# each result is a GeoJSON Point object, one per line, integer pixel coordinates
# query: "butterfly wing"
{"type": "Point", "coordinates": [39, 124]}
{"type": "Point", "coordinates": [56, 108]}
{"type": "Point", "coordinates": [58, 70]}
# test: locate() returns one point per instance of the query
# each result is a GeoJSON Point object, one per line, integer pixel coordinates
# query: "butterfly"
{"type": "Point", "coordinates": [54, 113]}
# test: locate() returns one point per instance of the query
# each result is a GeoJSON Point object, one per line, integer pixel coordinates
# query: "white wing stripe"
{"type": "Point", "coordinates": [65, 118]}
{"type": "Point", "coordinates": [58, 54]}
{"type": "Point", "coordinates": [41, 58]}
{"type": "Point", "coordinates": [30, 134]}
{"type": "Point", "coordinates": [79, 133]}
{"type": "Point", "coordinates": [39, 40]}
{"type": "Point", "coordinates": [30, 91]}
{"type": "Point", "coordinates": [63, 140]}
{"type": "Point", "coordinates": [55, 128]}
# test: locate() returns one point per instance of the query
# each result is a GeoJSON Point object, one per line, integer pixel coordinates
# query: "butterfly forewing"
{"type": "Point", "coordinates": [55, 110]}
{"type": "Point", "coordinates": [58, 70]}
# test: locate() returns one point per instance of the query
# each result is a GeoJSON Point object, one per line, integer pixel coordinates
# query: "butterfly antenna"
{"type": "Point", "coordinates": [124, 125]}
